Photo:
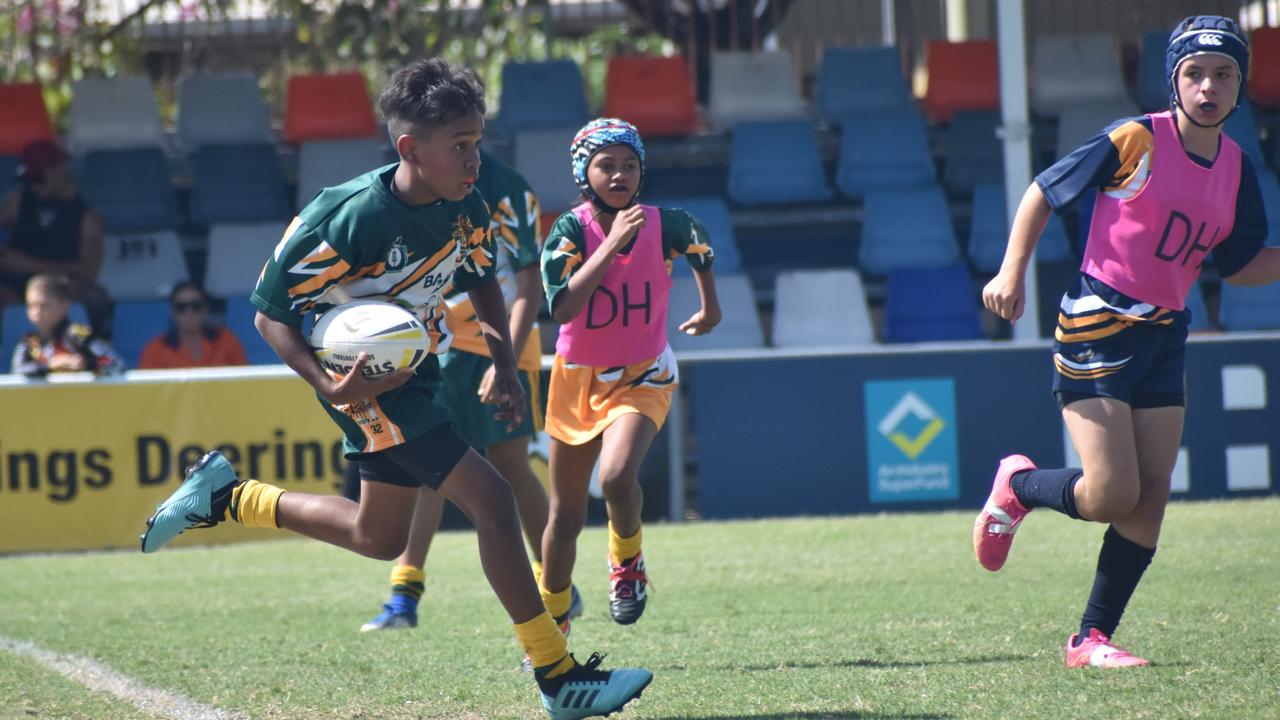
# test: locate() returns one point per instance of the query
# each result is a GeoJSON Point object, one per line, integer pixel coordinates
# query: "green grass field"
{"type": "Point", "coordinates": [867, 617]}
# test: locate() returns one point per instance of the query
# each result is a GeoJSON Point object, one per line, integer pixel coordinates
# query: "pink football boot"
{"type": "Point", "coordinates": [1097, 650]}
{"type": "Point", "coordinates": [993, 530]}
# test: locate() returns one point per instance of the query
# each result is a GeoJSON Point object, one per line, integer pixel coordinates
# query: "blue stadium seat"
{"type": "Point", "coordinates": [539, 95]}
{"type": "Point", "coordinates": [14, 324]}
{"type": "Point", "coordinates": [906, 228]}
{"type": "Point", "coordinates": [239, 320]}
{"type": "Point", "coordinates": [989, 233]}
{"type": "Point", "coordinates": [774, 162]}
{"type": "Point", "coordinates": [131, 189]}
{"type": "Point", "coordinates": [1249, 308]}
{"type": "Point", "coordinates": [1243, 128]}
{"type": "Point", "coordinates": [880, 86]}
{"type": "Point", "coordinates": [135, 324]}
{"type": "Point", "coordinates": [884, 151]}
{"type": "Point", "coordinates": [923, 304]}
{"type": "Point", "coordinates": [1153, 95]}
{"type": "Point", "coordinates": [974, 155]}
{"type": "Point", "coordinates": [237, 184]}
{"type": "Point", "coordinates": [714, 216]}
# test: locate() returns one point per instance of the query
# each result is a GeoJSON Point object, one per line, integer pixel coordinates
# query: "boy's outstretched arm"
{"type": "Point", "coordinates": [294, 350]}
{"type": "Point", "coordinates": [708, 316]}
{"type": "Point", "coordinates": [491, 311]}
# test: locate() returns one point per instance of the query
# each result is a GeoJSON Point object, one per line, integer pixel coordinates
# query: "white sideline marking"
{"type": "Point", "coordinates": [96, 676]}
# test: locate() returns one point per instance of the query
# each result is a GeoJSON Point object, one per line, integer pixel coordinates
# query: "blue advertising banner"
{"type": "Point", "coordinates": [923, 427]}
{"type": "Point", "coordinates": [911, 440]}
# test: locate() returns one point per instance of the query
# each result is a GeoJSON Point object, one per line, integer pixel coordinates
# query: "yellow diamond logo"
{"type": "Point", "coordinates": [912, 405]}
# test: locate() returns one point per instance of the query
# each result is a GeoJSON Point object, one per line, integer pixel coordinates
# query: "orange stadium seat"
{"type": "Point", "coordinates": [652, 93]}
{"type": "Point", "coordinates": [328, 107]}
{"type": "Point", "coordinates": [23, 117]}
{"type": "Point", "coordinates": [962, 76]}
{"type": "Point", "coordinates": [1264, 66]}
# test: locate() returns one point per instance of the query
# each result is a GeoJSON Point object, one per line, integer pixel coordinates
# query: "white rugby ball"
{"type": "Point", "coordinates": [392, 337]}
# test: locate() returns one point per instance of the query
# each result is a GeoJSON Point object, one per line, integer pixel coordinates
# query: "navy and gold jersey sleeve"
{"type": "Point", "coordinates": [1249, 232]}
{"type": "Point", "coordinates": [471, 232]}
{"type": "Point", "coordinates": [1117, 159]}
{"type": "Point", "coordinates": [301, 269]}
{"type": "Point", "coordinates": [683, 234]}
{"type": "Point", "coordinates": [562, 255]}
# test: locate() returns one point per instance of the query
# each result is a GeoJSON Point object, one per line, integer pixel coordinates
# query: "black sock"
{"type": "Point", "coordinates": [1053, 489]}
{"type": "Point", "coordinates": [1121, 563]}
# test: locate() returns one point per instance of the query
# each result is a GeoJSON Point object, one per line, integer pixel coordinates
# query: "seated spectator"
{"type": "Point", "coordinates": [191, 341]}
{"type": "Point", "coordinates": [57, 344]}
{"type": "Point", "coordinates": [52, 230]}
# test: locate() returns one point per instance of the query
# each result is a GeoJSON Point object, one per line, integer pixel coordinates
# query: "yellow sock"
{"type": "Point", "coordinates": [622, 549]}
{"type": "Point", "coordinates": [557, 601]}
{"type": "Point", "coordinates": [546, 647]}
{"type": "Point", "coordinates": [408, 580]}
{"type": "Point", "coordinates": [537, 571]}
{"type": "Point", "coordinates": [253, 504]}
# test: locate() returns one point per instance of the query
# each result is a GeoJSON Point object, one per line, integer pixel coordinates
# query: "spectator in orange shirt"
{"type": "Point", "coordinates": [191, 341]}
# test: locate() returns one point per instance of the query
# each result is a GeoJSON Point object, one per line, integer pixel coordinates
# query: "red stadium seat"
{"type": "Point", "coordinates": [328, 107]}
{"type": "Point", "coordinates": [962, 76]}
{"type": "Point", "coordinates": [652, 93]}
{"type": "Point", "coordinates": [1264, 66]}
{"type": "Point", "coordinates": [23, 117]}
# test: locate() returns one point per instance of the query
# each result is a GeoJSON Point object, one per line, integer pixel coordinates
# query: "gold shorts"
{"type": "Point", "coordinates": [583, 401]}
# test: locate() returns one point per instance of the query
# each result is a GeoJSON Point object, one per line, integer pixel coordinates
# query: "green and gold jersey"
{"type": "Point", "coordinates": [358, 240]}
{"type": "Point", "coordinates": [682, 234]}
{"type": "Point", "coordinates": [513, 223]}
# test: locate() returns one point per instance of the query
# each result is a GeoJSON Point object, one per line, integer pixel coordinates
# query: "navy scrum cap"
{"type": "Point", "coordinates": [1205, 35]}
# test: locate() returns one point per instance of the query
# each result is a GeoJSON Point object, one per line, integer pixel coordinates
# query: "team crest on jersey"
{"type": "Point", "coordinates": [398, 255]}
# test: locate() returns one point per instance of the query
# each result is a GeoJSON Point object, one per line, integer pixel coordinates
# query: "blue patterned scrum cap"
{"type": "Point", "coordinates": [597, 134]}
{"type": "Point", "coordinates": [1206, 35]}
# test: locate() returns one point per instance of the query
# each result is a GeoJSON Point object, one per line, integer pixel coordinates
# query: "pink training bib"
{"type": "Point", "coordinates": [1150, 246]}
{"type": "Point", "coordinates": [625, 322]}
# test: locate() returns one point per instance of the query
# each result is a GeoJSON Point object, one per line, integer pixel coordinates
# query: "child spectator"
{"type": "Point", "coordinates": [57, 344]}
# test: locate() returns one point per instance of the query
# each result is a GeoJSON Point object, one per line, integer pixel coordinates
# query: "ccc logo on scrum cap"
{"type": "Point", "coordinates": [1210, 39]}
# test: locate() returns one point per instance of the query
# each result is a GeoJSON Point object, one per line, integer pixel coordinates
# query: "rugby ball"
{"type": "Point", "coordinates": [392, 336]}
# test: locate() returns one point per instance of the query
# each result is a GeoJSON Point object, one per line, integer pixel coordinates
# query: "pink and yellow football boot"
{"type": "Point", "coordinates": [1097, 650]}
{"type": "Point", "coordinates": [993, 530]}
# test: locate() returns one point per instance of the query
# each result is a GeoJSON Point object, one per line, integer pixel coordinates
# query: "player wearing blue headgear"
{"type": "Point", "coordinates": [1170, 190]}
{"type": "Point", "coordinates": [606, 267]}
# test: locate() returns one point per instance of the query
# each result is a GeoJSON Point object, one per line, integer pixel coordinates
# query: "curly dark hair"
{"type": "Point", "coordinates": [426, 94]}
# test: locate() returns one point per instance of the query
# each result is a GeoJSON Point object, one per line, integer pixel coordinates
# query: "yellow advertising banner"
{"type": "Point", "coordinates": [83, 464]}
